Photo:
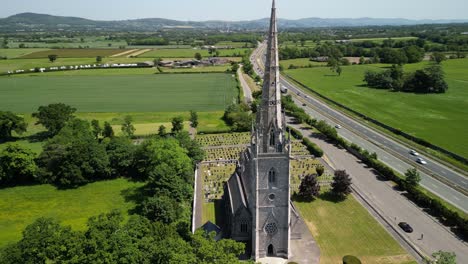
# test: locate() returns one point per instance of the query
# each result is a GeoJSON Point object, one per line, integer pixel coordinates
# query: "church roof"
{"type": "Point", "coordinates": [236, 193]}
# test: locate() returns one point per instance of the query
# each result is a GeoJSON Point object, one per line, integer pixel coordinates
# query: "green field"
{"type": "Point", "coordinates": [91, 42]}
{"type": "Point", "coordinates": [346, 228]}
{"type": "Point", "coordinates": [190, 53]}
{"type": "Point", "coordinates": [73, 53]}
{"type": "Point", "coordinates": [127, 93]}
{"type": "Point", "coordinates": [300, 63]}
{"type": "Point", "coordinates": [441, 119]}
{"type": "Point", "coordinates": [20, 206]}
{"type": "Point", "coordinates": [380, 40]}
{"type": "Point", "coordinates": [15, 53]}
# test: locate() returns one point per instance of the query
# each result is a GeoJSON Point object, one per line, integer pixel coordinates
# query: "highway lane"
{"type": "Point", "coordinates": [392, 153]}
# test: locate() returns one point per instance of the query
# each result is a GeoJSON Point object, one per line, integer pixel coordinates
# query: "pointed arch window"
{"type": "Point", "coordinates": [272, 176]}
{"type": "Point", "coordinates": [272, 138]}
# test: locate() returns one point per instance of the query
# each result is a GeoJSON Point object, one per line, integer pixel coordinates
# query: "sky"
{"type": "Point", "coordinates": [201, 10]}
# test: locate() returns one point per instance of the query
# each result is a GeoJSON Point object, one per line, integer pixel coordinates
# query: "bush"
{"type": "Point", "coordinates": [312, 148]}
{"type": "Point", "coordinates": [351, 260]}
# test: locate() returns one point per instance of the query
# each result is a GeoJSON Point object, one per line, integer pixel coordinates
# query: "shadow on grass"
{"type": "Point", "coordinates": [135, 195]}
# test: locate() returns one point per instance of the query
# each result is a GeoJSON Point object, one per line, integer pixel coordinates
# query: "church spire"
{"type": "Point", "coordinates": [270, 121]}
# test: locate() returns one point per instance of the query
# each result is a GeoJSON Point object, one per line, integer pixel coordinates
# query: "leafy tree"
{"type": "Point", "coordinates": [334, 65]}
{"type": "Point", "coordinates": [177, 124]}
{"type": "Point", "coordinates": [194, 150]}
{"type": "Point", "coordinates": [157, 61]}
{"type": "Point", "coordinates": [414, 53]}
{"type": "Point", "coordinates": [234, 67]}
{"type": "Point", "coordinates": [98, 59]}
{"type": "Point", "coordinates": [10, 122]}
{"type": "Point", "coordinates": [341, 185]}
{"type": "Point", "coordinates": [445, 257]}
{"type": "Point", "coordinates": [73, 157]}
{"type": "Point", "coordinates": [97, 130]}
{"type": "Point", "coordinates": [127, 127]}
{"type": "Point", "coordinates": [428, 80]}
{"type": "Point", "coordinates": [207, 250]}
{"type": "Point", "coordinates": [438, 57]}
{"type": "Point", "coordinates": [17, 165]}
{"type": "Point", "coordinates": [162, 131]}
{"type": "Point", "coordinates": [320, 170]}
{"type": "Point", "coordinates": [339, 70]}
{"type": "Point", "coordinates": [198, 56]}
{"type": "Point", "coordinates": [309, 188]}
{"type": "Point", "coordinates": [193, 119]}
{"type": "Point", "coordinates": [108, 131]}
{"type": "Point", "coordinates": [413, 177]}
{"type": "Point", "coordinates": [121, 154]}
{"type": "Point", "coordinates": [161, 208]}
{"type": "Point", "coordinates": [52, 57]}
{"type": "Point", "coordinates": [239, 117]}
{"type": "Point", "coordinates": [54, 116]}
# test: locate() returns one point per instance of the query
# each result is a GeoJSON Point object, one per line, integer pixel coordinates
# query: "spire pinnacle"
{"type": "Point", "coordinates": [274, 4]}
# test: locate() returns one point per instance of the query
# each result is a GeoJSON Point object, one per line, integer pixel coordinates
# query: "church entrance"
{"type": "Point", "coordinates": [271, 251]}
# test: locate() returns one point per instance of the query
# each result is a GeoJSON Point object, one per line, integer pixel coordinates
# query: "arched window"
{"type": "Point", "coordinates": [272, 176]}
{"type": "Point", "coordinates": [243, 228]}
{"type": "Point", "coordinates": [272, 137]}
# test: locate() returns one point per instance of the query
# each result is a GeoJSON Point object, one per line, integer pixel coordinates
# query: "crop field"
{"type": "Point", "coordinates": [190, 53]}
{"type": "Point", "coordinates": [346, 228]}
{"type": "Point", "coordinates": [233, 44]}
{"type": "Point", "coordinates": [15, 53]}
{"type": "Point", "coordinates": [20, 206]}
{"type": "Point", "coordinates": [90, 42]}
{"type": "Point", "coordinates": [380, 40]}
{"type": "Point", "coordinates": [73, 53]}
{"type": "Point", "coordinates": [126, 93]}
{"type": "Point", "coordinates": [441, 119]}
{"type": "Point", "coordinates": [221, 68]}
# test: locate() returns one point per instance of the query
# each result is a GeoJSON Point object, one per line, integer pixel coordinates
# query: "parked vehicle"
{"type": "Point", "coordinates": [406, 227]}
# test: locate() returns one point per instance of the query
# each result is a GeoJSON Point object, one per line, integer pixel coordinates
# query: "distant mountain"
{"type": "Point", "coordinates": [34, 21]}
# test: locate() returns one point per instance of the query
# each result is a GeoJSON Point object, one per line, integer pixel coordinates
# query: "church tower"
{"type": "Point", "coordinates": [270, 163]}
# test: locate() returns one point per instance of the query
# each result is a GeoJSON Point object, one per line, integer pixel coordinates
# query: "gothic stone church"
{"type": "Point", "coordinates": [257, 196]}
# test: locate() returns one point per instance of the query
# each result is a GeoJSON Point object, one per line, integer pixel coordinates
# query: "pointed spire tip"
{"type": "Point", "coordinates": [274, 4]}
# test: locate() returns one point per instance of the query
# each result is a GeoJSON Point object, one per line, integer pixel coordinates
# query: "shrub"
{"type": "Point", "coordinates": [351, 260]}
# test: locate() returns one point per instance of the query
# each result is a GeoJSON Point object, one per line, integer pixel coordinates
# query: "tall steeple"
{"type": "Point", "coordinates": [270, 120]}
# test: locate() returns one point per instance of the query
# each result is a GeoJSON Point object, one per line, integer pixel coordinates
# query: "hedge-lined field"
{"type": "Point", "coordinates": [20, 206]}
{"type": "Point", "coordinates": [190, 53]}
{"type": "Point", "coordinates": [128, 93]}
{"type": "Point", "coordinates": [73, 53]}
{"type": "Point", "coordinates": [441, 119]}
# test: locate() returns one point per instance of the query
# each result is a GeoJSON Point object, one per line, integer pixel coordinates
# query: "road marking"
{"type": "Point", "coordinates": [456, 198]}
{"type": "Point", "coordinates": [443, 172]}
{"type": "Point", "coordinates": [464, 182]}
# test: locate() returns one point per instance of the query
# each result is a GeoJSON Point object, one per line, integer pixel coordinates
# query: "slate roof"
{"type": "Point", "coordinates": [236, 193]}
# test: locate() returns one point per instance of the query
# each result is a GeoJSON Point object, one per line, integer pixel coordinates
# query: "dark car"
{"type": "Point", "coordinates": [406, 227]}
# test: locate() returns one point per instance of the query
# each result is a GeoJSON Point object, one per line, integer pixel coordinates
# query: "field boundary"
{"type": "Point", "coordinates": [414, 139]}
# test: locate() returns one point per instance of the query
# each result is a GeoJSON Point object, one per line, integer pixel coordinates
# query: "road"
{"type": "Point", "coordinates": [389, 151]}
{"type": "Point", "coordinates": [392, 204]}
{"type": "Point", "coordinates": [245, 86]}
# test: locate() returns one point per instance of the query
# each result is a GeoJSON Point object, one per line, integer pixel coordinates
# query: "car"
{"type": "Point", "coordinates": [406, 227]}
{"type": "Point", "coordinates": [413, 152]}
{"type": "Point", "coordinates": [338, 126]}
{"type": "Point", "coordinates": [304, 104]}
{"type": "Point", "coordinates": [421, 161]}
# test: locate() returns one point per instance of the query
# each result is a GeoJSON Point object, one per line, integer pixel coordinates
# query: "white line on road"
{"type": "Point", "coordinates": [456, 198]}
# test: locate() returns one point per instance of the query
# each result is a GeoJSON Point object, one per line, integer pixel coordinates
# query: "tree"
{"type": "Point", "coordinates": [98, 59]}
{"type": "Point", "coordinates": [162, 131]}
{"type": "Point", "coordinates": [334, 65]}
{"type": "Point", "coordinates": [10, 122]}
{"type": "Point", "coordinates": [177, 124]}
{"type": "Point", "coordinates": [362, 60]}
{"type": "Point", "coordinates": [438, 57]}
{"type": "Point", "coordinates": [413, 177]}
{"type": "Point", "coordinates": [73, 157]}
{"type": "Point", "coordinates": [445, 257]}
{"type": "Point", "coordinates": [198, 56]}
{"type": "Point", "coordinates": [157, 61]}
{"type": "Point", "coordinates": [54, 116]}
{"type": "Point", "coordinates": [127, 127]}
{"type": "Point", "coordinates": [239, 117]}
{"type": "Point", "coordinates": [17, 165]}
{"type": "Point", "coordinates": [97, 130]}
{"type": "Point", "coordinates": [414, 53]}
{"type": "Point", "coordinates": [193, 119]}
{"type": "Point", "coordinates": [341, 185]}
{"type": "Point", "coordinates": [309, 188]}
{"type": "Point", "coordinates": [52, 58]}
{"type": "Point", "coordinates": [121, 154]}
{"type": "Point", "coordinates": [320, 170]}
{"type": "Point", "coordinates": [339, 70]}
{"type": "Point", "coordinates": [428, 80]}
{"type": "Point", "coordinates": [108, 131]}
{"type": "Point", "coordinates": [160, 208]}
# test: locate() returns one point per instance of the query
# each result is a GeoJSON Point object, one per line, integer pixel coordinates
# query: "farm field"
{"type": "Point", "coordinates": [26, 64]}
{"type": "Point", "coordinates": [346, 228]}
{"type": "Point", "coordinates": [220, 68]}
{"type": "Point", "coordinates": [233, 44]}
{"type": "Point", "coordinates": [14, 53]}
{"type": "Point", "coordinates": [73, 53]}
{"type": "Point", "coordinates": [90, 42]}
{"type": "Point", "coordinates": [438, 118]}
{"type": "Point", "coordinates": [190, 53]}
{"type": "Point", "coordinates": [20, 206]}
{"type": "Point", "coordinates": [300, 63]}
{"type": "Point", "coordinates": [380, 40]}
{"type": "Point", "coordinates": [126, 93]}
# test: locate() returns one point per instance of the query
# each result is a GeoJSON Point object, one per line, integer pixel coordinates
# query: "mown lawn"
{"type": "Point", "coordinates": [208, 213]}
{"type": "Point", "coordinates": [346, 228]}
{"type": "Point", "coordinates": [441, 119]}
{"type": "Point", "coordinates": [20, 206]}
{"type": "Point", "coordinates": [125, 93]}
{"type": "Point", "coordinates": [14, 53]}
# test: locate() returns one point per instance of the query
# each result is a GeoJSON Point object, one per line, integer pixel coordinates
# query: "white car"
{"type": "Point", "coordinates": [413, 152]}
{"type": "Point", "coordinates": [338, 126]}
{"type": "Point", "coordinates": [421, 161]}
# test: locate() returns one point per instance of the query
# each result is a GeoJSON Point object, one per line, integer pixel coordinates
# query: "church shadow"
{"type": "Point", "coordinates": [219, 213]}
